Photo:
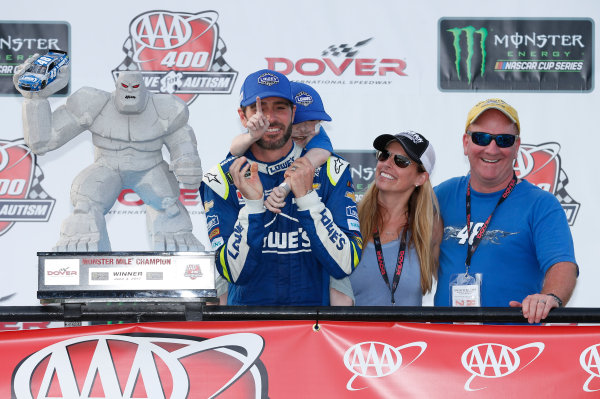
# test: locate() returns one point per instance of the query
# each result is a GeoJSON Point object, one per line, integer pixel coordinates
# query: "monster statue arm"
{"type": "Point", "coordinates": [45, 130]}
{"type": "Point", "coordinates": [183, 148]}
{"type": "Point", "coordinates": [39, 129]}
{"type": "Point", "coordinates": [185, 162]}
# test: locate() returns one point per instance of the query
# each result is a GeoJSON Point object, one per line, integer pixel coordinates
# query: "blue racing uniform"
{"type": "Point", "coordinates": [285, 258]}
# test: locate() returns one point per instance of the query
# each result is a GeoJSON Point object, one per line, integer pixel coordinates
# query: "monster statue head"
{"type": "Point", "coordinates": [131, 95]}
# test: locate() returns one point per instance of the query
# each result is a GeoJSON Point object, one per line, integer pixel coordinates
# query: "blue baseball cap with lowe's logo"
{"type": "Point", "coordinates": [309, 106]}
{"type": "Point", "coordinates": [265, 83]}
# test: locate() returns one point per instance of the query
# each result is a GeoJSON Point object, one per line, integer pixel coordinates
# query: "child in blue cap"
{"type": "Point", "coordinates": [307, 132]}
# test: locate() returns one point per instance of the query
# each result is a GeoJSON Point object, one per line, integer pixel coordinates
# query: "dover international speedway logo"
{"type": "Point", "coordinates": [500, 54]}
{"type": "Point", "coordinates": [22, 198]}
{"type": "Point", "coordinates": [178, 53]}
{"type": "Point", "coordinates": [340, 64]}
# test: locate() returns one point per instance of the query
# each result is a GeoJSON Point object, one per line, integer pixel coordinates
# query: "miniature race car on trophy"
{"type": "Point", "coordinates": [43, 70]}
{"type": "Point", "coordinates": [129, 128]}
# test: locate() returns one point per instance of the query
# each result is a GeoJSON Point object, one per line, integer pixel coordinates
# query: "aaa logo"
{"type": "Point", "coordinates": [178, 53]}
{"type": "Point", "coordinates": [493, 360]}
{"type": "Point", "coordinates": [590, 362]}
{"type": "Point", "coordinates": [144, 366]}
{"type": "Point", "coordinates": [377, 359]}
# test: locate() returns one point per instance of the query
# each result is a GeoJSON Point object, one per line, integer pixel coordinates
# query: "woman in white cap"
{"type": "Point", "coordinates": [400, 225]}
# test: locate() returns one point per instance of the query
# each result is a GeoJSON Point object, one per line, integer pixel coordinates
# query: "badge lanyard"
{"type": "Point", "coordinates": [471, 248]}
{"type": "Point", "coordinates": [399, 262]}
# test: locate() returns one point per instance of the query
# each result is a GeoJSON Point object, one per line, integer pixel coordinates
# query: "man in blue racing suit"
{"type": "Point", "coordinates": [284, 258]}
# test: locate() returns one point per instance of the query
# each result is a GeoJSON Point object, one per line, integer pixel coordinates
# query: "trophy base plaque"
{"type": "Point", "coordinates": [70, 277]}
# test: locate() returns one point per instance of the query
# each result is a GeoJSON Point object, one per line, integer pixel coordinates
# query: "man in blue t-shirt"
{"type": "Point", "coordinates": [506, 241]}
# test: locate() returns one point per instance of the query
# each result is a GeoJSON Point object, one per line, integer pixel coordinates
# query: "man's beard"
{"type": "Point", "coordinates": [278, 143]}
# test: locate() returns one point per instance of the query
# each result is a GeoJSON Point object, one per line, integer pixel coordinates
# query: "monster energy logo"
{"type": "Point", "coordinates": [470, 34]}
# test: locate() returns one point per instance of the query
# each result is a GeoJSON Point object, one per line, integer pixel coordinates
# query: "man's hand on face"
{"type": "Point", "coordinates": [250, 186]}
{"type": "Point", "coordinates": [300, 177]}
{"type": "Point", "coordinates": [258, 123]}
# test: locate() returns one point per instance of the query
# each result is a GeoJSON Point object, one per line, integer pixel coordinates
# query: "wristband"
{"type": "Point", "coordinates": [285, 188]}
{"type": "Point", "coordinates": [557, 299]}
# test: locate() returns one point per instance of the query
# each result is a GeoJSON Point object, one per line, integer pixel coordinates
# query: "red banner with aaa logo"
{"type": "Point", "coordinates": [292, 359]}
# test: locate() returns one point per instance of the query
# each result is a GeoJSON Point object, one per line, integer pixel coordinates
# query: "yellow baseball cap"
{"type": "Point", "coordinates": [493, 103]}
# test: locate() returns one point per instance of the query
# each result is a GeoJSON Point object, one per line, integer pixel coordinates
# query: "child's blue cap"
{"type": "Point", "coordinates": [309, 106]}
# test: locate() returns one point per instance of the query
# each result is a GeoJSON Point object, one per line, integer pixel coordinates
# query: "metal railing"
{"type": "Point", "coordinates": [199, 311]}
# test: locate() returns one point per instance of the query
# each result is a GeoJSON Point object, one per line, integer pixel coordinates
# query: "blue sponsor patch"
{"type": "Point", "coordinates": [352, 212]}
{"type": "Point", "coordinates": [217, 242]}
{"type": "Point", "coordinates": [211, 221]}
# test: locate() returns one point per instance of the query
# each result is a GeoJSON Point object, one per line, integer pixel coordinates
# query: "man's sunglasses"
{"type": "Point", "coordinates": [502, 140]}
{"type": "Point", "coordinates": [400, 160]}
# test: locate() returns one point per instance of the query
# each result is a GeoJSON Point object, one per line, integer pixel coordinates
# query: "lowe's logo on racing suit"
{"type": "Point", "coordinates": [280, 166]}
{"type": "Point", "coordinates": [293, 240]}
{"type": "Point", "coordinates": [334, 235]}
{"type": "Point", "coordinates": [234, 249]}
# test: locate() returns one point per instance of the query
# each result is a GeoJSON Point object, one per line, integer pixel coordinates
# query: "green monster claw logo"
{"type": "Point", "coordinates": [470, 33]}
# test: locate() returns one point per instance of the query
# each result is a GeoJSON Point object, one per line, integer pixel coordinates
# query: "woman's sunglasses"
{"type": "Point", "coordinates": [400, 160]}
{"type": "Point", "coordinates": [502, 140]}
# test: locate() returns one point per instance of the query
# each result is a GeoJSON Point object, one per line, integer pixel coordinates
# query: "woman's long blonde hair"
{"type": "Point", "coordinates": [423, 210]}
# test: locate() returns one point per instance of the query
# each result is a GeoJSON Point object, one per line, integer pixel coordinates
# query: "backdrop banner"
{"type": "Point", "coordinates": [300, 359]}
{"type": "Point", "coordinates": [379, 67]}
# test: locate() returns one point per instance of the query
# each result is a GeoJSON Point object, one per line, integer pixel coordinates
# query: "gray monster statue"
{"type": "Point", "coordinates": [129, 128]}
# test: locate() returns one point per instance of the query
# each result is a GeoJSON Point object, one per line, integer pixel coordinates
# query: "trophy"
{"type": "Point", "coordinates": [129, 128]}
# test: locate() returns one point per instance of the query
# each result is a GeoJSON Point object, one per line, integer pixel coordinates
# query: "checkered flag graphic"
{"type": "Point", "coordinates": [127, 64]}
{"type": "Point", "coordinates": [219, 63]}
{"type": "Point", "coordinates": [36, 191]}
{"type": "Point", "coordinates": [344, 50]}
{"type": "Point", "coordinates": [570, 206]}
{"type": "Point", "coordinates": [561, 192]}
